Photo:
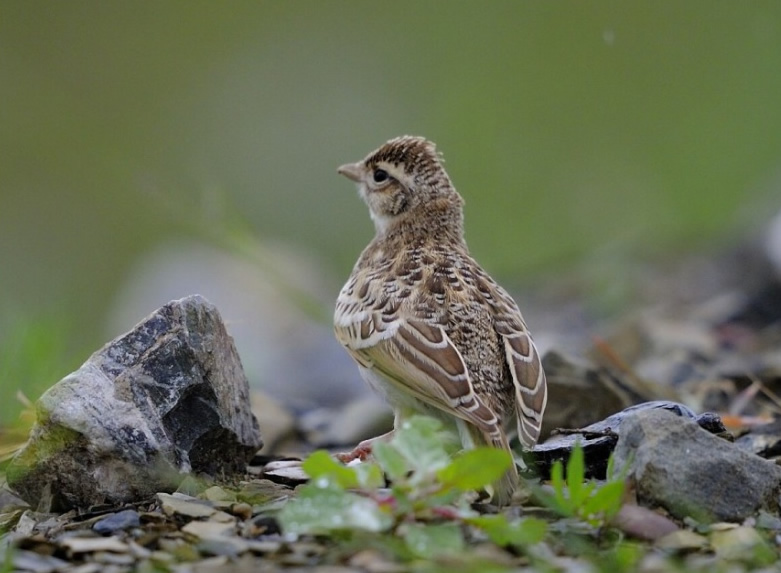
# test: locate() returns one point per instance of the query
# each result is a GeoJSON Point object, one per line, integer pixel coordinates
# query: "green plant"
{"type": "Point", "coordinates": [426, 505]}
{"type": "Point", "coordinates": [586, 501]}
{"type": "Point", "coordinates": [6, 558]}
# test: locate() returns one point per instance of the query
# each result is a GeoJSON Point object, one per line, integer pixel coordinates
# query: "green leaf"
{"type": "Point", "coordinates": [390, 460]}
{"type": "Point", "coordinates": [559, 501]}
{"type": "Point", "coordinates": [476, 468]}
{"type": "Point", "coordinates": [401, 494]}
{"type": "Point", "coordinates": [319, 510]}
{"type": "Point", "coordinates": [587, 493]}
{"type": "Point", "coordinates": [420, 442]}
{"type": "Point", "coordinates": [605, 502]}
{"type": "Point", "coordinates": [529, 531]}
{"type": "Point", "coordinates": [325, 470]}
{"type": "Point", "coordinates": [496, 527]}
{"type": "Point", "coordinates": [625, 557]}
{"type": "Point", "coordinates": [389, 546]}
{"type": "Point", "coordinates": [428, 541]}
{"type": "Point", "coordinates": [575, 476]}
{"type": "Point", "coordinates": [522, 533]}
{"type": "Point", "coordinates": [369, 475]}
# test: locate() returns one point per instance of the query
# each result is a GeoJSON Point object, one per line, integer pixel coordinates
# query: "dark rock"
{"type": "Point", "coordinates": [117, 522]}
{"type": "Point", "coordinates": [599, 439]}
{"type": "Point", "coordinates": [711, 422]}
{"type": "Point", "coordinates": [764, 440]}
{"type": "Point", "coordinates": [692, 473]}
{"type": "Point", "coordinates": [166, 399]}
{"type": "Point", "coordinates": [597, 448]}
{"type": "Point", "coordinates": [264, 525]}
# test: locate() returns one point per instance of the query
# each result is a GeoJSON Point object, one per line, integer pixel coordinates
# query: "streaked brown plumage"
{"type": "Point", "coordinates": [430, 330]}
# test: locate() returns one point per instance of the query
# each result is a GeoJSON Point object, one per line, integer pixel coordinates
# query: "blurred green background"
{"type": "Point", "coordinates": [569, 127]}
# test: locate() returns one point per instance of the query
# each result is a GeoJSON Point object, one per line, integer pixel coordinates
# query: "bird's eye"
{"type": "Point", "coordinates": [380, 175]}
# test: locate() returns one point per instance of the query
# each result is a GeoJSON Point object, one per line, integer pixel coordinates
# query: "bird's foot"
{"type": "Point", "coordinates": [363, 450]}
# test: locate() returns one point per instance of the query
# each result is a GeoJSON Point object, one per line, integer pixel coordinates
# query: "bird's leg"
{"type": "Point", "coordinates": [363, 450]}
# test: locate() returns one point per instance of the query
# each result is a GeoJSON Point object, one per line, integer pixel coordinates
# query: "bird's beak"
{"type": "Point", "coordinates": [351, 171]}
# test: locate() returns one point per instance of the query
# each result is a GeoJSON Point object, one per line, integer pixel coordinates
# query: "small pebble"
{"type": "Point", "coordinates": [117, 521]}
{"type": "Point", "coordinates": [261, 526]}
{"type": "Point", "coordinates": [241, 510]}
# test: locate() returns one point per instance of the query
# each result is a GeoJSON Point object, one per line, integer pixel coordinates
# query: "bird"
{"type": "Point", "coordinates": [430, 330]}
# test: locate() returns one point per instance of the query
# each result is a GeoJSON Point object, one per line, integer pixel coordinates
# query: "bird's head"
{"type": "Point", "coordinates": [404, 180]}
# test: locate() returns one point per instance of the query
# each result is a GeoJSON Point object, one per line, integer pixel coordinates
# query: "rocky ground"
{"type": "Point", "coordinates": [146, 457]}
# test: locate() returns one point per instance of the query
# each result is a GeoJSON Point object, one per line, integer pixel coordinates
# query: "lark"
{"type": "Point", "coordinates": [430, 330]}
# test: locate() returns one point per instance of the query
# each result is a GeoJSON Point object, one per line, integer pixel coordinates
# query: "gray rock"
{"type": "Point", "coordinates": [117, 522]}
{"type": "Point", "coordinates": [184, 505]}
{"type": "Point", "coordinates": [166, 399]}
{"type": "Point", "coordinates": [33, 562]}
{"type": "Point", "coordinates": [8, 500]}
{"type": "Point", "coordinates": [287, 472]}
{"type": "Point", "coordinates": [599, 439]}
{"type": "Point", "coordinates": [690, 472]}
{"type": "Point", "coordinates": [279, 304]}
{"type": "Point", "coordinates": [77, 545]}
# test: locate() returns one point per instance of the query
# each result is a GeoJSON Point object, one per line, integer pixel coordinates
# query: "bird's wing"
{"type": "Point", "coordinates": [523, 359]}
{"type": "Point", "coordinates": [420, 359]}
